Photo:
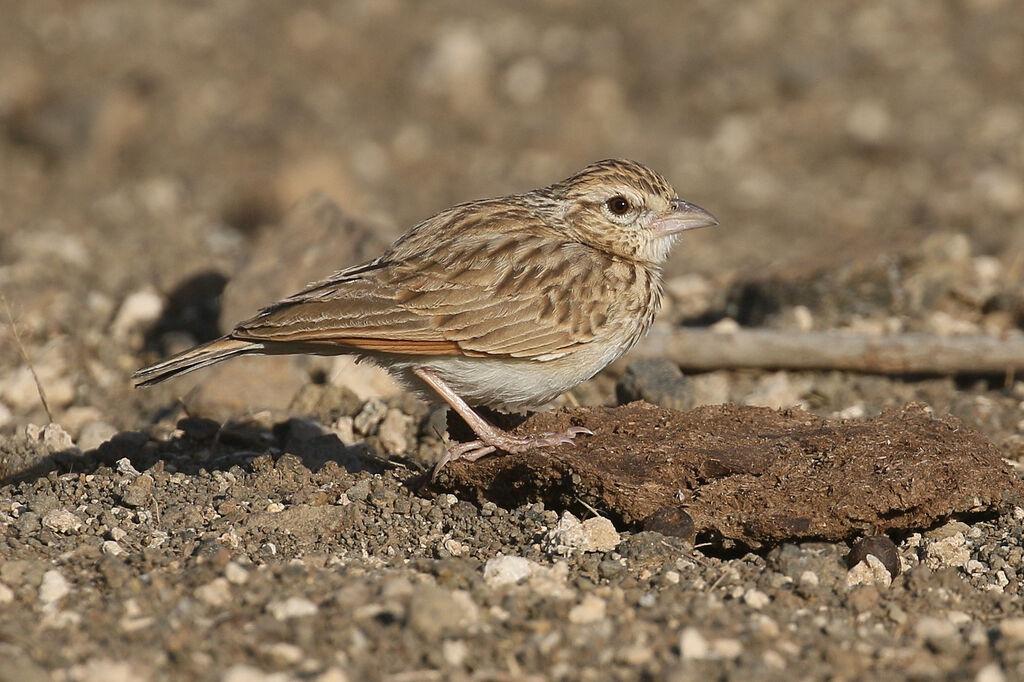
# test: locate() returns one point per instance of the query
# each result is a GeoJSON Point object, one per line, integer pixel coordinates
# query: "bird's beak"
{"type": "Point", "coordinates": [684, 216]}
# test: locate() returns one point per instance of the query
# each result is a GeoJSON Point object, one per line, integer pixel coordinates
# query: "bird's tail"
{"type": "Point", "coordinates": [195, 358]}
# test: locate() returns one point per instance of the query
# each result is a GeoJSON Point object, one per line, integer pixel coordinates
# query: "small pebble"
{"type": "Point", "coordinates": [284, 653]}
{"type": "Point", "coordinates": [139, 309]}
{"type": "Point", "coordinates": [53, 588]}
{"type": "Point", "coordinates": [217, 592]}
{"type": "Point", "coordinates": [870, 571]}
{"type": "Point", "coordinates": [61, 521]}
{"type": "Point", "coordinates": [112, 547]}
{"type": "Point", "coordinates": [95, 434]}
{"type": "Point", "coordinates": [292, 607]}
{"type": "Point", "coordinates": [235, 573]}
{"type": "Point", "coordinates": [1012, 629]}
{"type": "Point", "coordinates": [506, 570]}
{"type": "Point", "coordinates": [569, 535]}
{"type": "Point", "coordinates": [756, 599]}
{"type": "Point", "coordinates": [435, 611]}
{"type": "Point", "coordinates": [590, 610]}
{"type": "Point", "coordinates": [693, 646]}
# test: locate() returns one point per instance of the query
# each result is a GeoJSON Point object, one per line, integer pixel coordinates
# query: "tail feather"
{"type": "Point", "coordinates": [195, 358]}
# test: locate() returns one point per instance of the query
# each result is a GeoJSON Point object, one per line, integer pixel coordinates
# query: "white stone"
{"type": "Point", "coordinates": [937, 631]}
{"type": "Point", "coordinates": [958, 618]}
{"type": "Point", "coordinates": [950, 551]}
{"type": "Point", "coordinates": [1012, 629]}
{"type": "Point", "coordinates": [292, 607]}
{"type": "Point", "coordinates": [370, 416]}
{"type": "Point", "coordinates": [103, 670]}
{"type": "Point", "coordinates": [726, 648]}
{"type": "Point", "coordinates": [284, 653]}
{"type": "Point", "coordinates": [990, 673]}
{"type": "Point", "coordinates": [809, 579]}
{"type": "Point", "coordinates": [756, 599]}
{"type": "Point", "coordinates": [870, 571]}
{"type": "Point", "coordinates": [569, 535]}
{"type": "Point", "coordinates": [235, 573]}
{"type": "Point", "coordinates": [726, 325]}
{"type": "Point", "coordinates": [393, 432]}
{"type": "Point", "coordinates": [61, 521]}
{"type": "Point", "coordinates": [217, 592]}
{"type": "Point", "coordinates": [868, 122]}
{"type": "Point", "coordinates": [455, 652]}
{"type": "Point", "coordinates": [344, 429]}
{"type": "Point", "coordinates": [53, 588]}
{"type": "Point", "coordinates": [95, 434]}
{"type": "Point", "coordinates": [590, 610]}
{"type": "Point", "coordinates": [693, 646]}
{"type": "Point", "coordinates": [140, 308]}
{"type": "Point", "coordinates": [6, 594]}
{"type": "Point", "coordinates": [56, 439]}
{"type": "Point", "coordinates": [112, 547]}
{"type": "Point", "coordinates": [773, 659]}
{"type": "Point", "coordinates": [765, 626]}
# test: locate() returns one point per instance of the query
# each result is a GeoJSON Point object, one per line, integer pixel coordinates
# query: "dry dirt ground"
{"type": "Point", "coordinates": [166, 168]}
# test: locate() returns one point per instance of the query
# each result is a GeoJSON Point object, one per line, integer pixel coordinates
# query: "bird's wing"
{"type": "Point", "coordinates": [487, 292]}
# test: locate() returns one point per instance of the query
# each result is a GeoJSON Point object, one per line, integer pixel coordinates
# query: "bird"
{"type": "Point", "coordinates": [503, 303]}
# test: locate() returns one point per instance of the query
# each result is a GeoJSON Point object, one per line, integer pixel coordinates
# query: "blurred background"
{"type": "Point", "coordinates": [144, 142]}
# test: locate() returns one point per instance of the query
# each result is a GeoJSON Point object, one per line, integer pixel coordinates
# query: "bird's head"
{"type": "Point", "coordinates": [627, 209]}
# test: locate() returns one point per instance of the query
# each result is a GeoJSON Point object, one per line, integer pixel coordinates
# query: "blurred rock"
{"type": "Point", "coordinates": [435, 611]}
{"type": "Point", "coordinates": [18, 388]}
{"type": "Point", "coordinates": [139, 309]}
{"type": "Point", "coordinates": [507, 570]}
{"type": "Point", "coordinates": [658, 381]}
{"type": "Point", "coordinates": [77, 417]}
{"type": "Point", "coordinates": [711, 388]}
{"type": "Point", "coordinates": [395, 431]}
{"type": "Point", "coordinates": [590, 610]}
{"type": "Point", "coordinates": [690, 294]}
{"type": "Point", "coordinates": [778, 390]}
{"type": "Point", "coordinates": [458, 68]}
{"type": "Point", "coordinates": [315, 239]}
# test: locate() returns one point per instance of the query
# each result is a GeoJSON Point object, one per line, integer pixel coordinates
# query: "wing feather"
{"type": "Point", "coordinates": [493, 291]}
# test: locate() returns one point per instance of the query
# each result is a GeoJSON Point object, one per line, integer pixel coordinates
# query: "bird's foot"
{"type": "Point", "coordinates": [507, 443]}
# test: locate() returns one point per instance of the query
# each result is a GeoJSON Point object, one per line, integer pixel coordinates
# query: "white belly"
{"type": "Point", "coordinates": [511, 384]}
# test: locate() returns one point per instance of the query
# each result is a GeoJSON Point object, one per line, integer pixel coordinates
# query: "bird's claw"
{"type": "Point", "coordinates": [474, 450]}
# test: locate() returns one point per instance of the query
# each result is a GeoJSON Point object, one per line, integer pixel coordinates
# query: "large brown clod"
{"type": "Point", "coordinates": [755, 475]}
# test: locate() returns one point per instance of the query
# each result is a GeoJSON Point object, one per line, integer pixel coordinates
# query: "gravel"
{"type": "Point", "coordinates": [267, 520]}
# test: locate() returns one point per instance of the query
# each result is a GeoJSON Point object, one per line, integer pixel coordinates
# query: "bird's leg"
{"type": "Point", "coordinates": [491, 438]}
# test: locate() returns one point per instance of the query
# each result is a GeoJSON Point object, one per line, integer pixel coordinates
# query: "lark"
{"type": "Point", "coordinates": [504, 303]}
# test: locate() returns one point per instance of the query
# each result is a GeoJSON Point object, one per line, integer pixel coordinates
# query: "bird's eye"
{"type": "Point", "coordinates": [618, 205]}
